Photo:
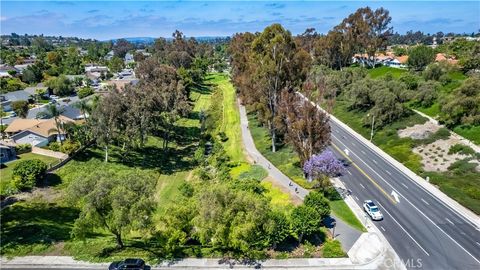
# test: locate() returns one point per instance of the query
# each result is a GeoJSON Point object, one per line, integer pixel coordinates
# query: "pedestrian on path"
{"type": "Point", "coordinates": [296, 189]}
{"type": "Point", "coordinates": [269, 166]}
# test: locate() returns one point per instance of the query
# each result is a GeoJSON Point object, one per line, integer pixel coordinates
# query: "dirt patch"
{"type": "Point", "coordinates": [47, 194]}
{"type": "Point", "coordinates": [435, 155]}
{"type": "Point", "coordinates": [420, 131]}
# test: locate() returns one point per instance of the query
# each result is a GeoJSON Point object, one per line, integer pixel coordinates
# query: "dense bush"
{"type": "Point", "coordinates": [85, 92]}
{"type": "Point", "coordinates": [462, 106]}
{"type": "Point", "coordinates": [23, 148]}
{"type": "Point", "coordinates": [26, 173]}
{"type": "Point", "coordinates": [67, 146]}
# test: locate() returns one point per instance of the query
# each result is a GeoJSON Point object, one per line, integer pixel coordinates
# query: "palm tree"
{"type": "Point", "coordinates": [53, 112]}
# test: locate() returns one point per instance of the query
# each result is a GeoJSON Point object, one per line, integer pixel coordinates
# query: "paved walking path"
{"type": "Point", "coordinates": [343, 232]}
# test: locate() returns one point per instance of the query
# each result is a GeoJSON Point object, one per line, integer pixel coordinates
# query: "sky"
{"type": "Point", "coordinates": [104, 20]}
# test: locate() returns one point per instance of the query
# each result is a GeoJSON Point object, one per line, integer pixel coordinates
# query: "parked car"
{"type": "Point", "coordinates": [137, 264]}
{"type": "Point", "coordinates": [372, 210]}
{"type": "Point", "coordinates": [54, 97]}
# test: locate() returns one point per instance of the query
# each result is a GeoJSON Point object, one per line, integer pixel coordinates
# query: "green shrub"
{"type": "Point", "coordinates": [256, 172]}
{"type": "Point", "coordinates": [333, 249]}
{"type": "Point", "coordinates": [26, 173]}
{"type": "Point", "coordinates": [462, 167]}
{"type": "Point", "coordinates": [462, 149]}
{"type": "Point", "coordinates": [67, 146]}
{"type": "Point", "coordinates": [23, 148]}
{"type": "Point", "coordinates": [85, 92]}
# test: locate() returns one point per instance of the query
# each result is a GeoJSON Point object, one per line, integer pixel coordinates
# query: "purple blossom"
{"type": "Point", "coordinates": [323, 164]}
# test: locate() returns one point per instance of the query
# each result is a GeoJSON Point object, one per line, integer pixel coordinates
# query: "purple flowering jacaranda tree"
{"type": "Point", "coordinates": [324, 163]}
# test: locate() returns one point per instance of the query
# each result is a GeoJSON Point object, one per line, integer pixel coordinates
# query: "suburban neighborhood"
{"type": "Point", "coordinates": [141, 135]}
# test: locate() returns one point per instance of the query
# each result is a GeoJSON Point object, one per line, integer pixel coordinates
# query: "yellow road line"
{"type": "Point", "coordinates": [366, 175]}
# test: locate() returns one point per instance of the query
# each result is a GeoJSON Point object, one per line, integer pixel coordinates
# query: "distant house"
{"type": "Point", "coordinates": [440, 57]}
{"type": "Point", "coordinates": [109, 55]}
{"type": "Point", "coordinates": [7, 153]}
{"type": "Point", "coordinates": [129, 58]}
{"type": "Point", "coordinates": [397, 62]}
{"type": "Point", "coordinates": [7, 98]}
{"type": "Point", "coordinates": [120, 84]}
{"type": "Point", "coordinates": [95, 68]}
{"type": "Point", "coordinates": [5, 71]}
{"type": "Point", "coordinates": [37, 132]}
{"type": "Point", "coordinates": [22, 67]}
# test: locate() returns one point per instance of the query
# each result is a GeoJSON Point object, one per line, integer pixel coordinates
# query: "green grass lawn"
{"type": "Point", "coordinates": [341, 210]}
{"type": "Point", "coordinates": [470, 132]}
{"type": "Point", "coordinates": [383, 70]}
{"type": "Point", "coordinates": [230, 123]}
{"type": "Point", "coordinates": [6, 172]}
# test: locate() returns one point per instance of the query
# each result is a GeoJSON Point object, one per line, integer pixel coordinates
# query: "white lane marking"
{"type": "Point", "coordinates": [356, 198]}
{"type": "Point", "coordinates": [361, 185]}
{"type": "Point", "coordinates": [388, 172]}
{"type": "Point", "coordinates": [363, 152]}
{"type": "Point", "coordinates": [336, 130]}
{"type": "Point", "coordinates": [477, 243]}
{"type": "Point", "coordinates": [416, 208]}
{"type": "Point", "coordinates": [382, 228]}
{"type": "Point", "coordinates": [425, 202]}
{"type": "Point", "coordinates": [403, 229]}
{"type": "Point", "coordinates": [353, 144]}
{"type": "Point", "coordinates": [405, 185]}
{"type": "Point", "coordinates": [395, 195]}
{"type": "Point", "coordinates": [449, 221]}
{"type": "Point", "coordinates": [374, 161]}
{"type": "Point", "coordinates": [453, 211]}
{"type": "Point", "coordinates": [349, 172]}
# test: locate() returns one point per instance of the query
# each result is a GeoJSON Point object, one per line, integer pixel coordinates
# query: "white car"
{"type": "Point", "coordinates": [372, 210]}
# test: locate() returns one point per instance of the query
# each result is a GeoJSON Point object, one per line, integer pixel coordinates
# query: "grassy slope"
{"type": "Point", "coordinates": [383, 70]}
{"type": "Point", "coordinates": [6, 172]}
{"type": "Point", "coordinates": [231, 117]}
{"type": "Point", "coordinates": [233, 146]}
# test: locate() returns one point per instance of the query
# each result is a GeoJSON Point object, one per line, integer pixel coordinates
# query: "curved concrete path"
{"type": "Point", "coordinates": [343, 232]}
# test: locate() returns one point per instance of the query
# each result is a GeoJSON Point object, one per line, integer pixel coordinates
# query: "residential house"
{"type": "Point", "coordinates": [121, 83]}
{"type": "Point", "coordinates": [37, 132]}
{"type": "Point", "coordinates": [397, 62]}
{"type": "Point", "coordinates": [7, 98]}
{"type": "Point", "coordinates": [129, 58]}
{"type": "Point", "coordinates": [5, 71]}
{"type": "Point", "coordinates": [109, 55]}
{"type": "Point", "coordinates": [440, 57]}
{"type": "Point", "coordinates": [7, 153]}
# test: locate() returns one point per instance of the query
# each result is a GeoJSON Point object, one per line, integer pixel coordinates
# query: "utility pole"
{"type": "Point", "coordinates": [334, 223]}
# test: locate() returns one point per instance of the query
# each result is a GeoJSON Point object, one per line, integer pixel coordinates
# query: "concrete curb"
{"type": "Point", "coordinates": [434, 191]}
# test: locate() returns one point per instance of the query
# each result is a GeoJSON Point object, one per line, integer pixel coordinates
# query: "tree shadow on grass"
{"type": "Point", "coordinates": [26, 224]}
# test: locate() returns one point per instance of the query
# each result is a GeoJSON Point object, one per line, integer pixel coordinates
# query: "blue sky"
{"type": "Point", "coordinates": [113, 19]}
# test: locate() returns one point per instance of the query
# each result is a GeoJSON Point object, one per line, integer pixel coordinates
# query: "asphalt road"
{"type": "Point", "coordinates": [426, 233]}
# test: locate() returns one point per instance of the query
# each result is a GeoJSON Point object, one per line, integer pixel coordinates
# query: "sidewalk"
{"type": "Point", "coordinates": [346, 234]}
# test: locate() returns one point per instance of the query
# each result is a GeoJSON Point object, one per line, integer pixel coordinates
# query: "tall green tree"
{"type": "Point", "coordinates": [305, 220]}
{"type": "Point", "coordinates": [20, 107]}
{"type": "Point", "coordinates": [116, 202]}
{"type": "Point", "coordinates": [274, 53]}
{"type": "Point", "coordinates": [420, 56]}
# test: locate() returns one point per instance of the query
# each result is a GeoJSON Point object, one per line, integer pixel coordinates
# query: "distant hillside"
{"type": "Point", "coordinates": [150, 40]}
